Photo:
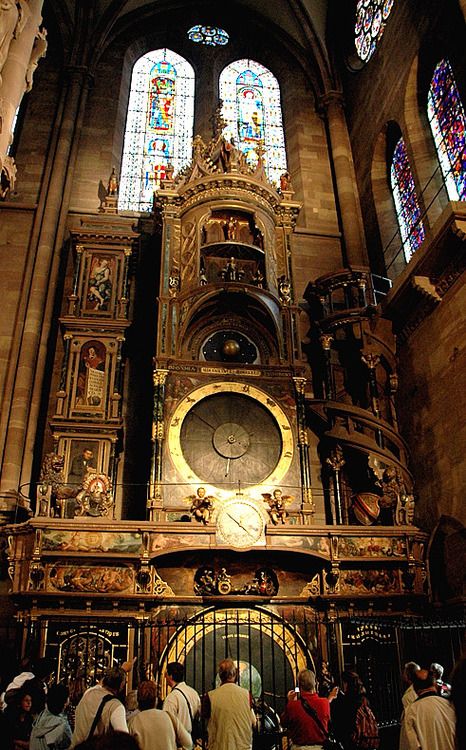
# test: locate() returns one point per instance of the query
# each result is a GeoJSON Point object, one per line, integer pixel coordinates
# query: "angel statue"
{"type": "Point", "coordinates": [202, 505]}
{"type": "Point", "coordinates": [277, 505]}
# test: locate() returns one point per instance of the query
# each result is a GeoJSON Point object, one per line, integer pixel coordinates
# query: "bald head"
{"type": "Point", "coordinates": [423, 680]}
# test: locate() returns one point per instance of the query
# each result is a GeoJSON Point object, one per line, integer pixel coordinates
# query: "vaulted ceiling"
{"type": "Point", "coordinates": [301, 24]}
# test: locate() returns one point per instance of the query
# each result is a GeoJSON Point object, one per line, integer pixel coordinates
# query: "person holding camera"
{"type": "Point", "coordinates": [305, 731]}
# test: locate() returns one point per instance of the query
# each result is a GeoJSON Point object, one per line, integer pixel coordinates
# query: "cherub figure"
{"type": "Point", "coordinates": [202, 505]}
{"type": "Point", "coordinates": [277, 505]}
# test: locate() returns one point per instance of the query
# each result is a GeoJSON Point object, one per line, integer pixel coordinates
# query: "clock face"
{"type": "Point", "coordinates": [224, 434]}
{"type": "Point", "coordinates": [240, 524]}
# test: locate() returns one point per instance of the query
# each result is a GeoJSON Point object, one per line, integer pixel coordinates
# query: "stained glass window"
{"type": "Point", "coordinates": [407, 207]}
{"type": "Point", "coordinates": [447, 121]}
{"type": "Point", "coordinates": [159, 126]}
{"type": "Point", "coordinates": [210, 35]}
{"type": "Point", "coordinates": [371, 17]}
{"type": "Point", "coordinates": [253, 113]}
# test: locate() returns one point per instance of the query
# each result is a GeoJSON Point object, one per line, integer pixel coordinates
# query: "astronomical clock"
{"type": "Point", "coordinates": [228, 379]}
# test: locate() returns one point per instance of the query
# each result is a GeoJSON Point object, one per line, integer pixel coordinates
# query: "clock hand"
{"type": "Point", "coordinates": [204, 420]}
{"type": "Point", "coordinates": [238, 522]}
{"type": "Point", "coordinates": [228, 467]}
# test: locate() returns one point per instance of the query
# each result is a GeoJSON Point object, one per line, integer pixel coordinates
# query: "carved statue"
{"type": "Point", "coordinates": [264, 583]}
{"type": "Point", "coordinates": [95, 498]}
{"type": "Point", "coordinates": [285, 182]}
{"type": "Point", "coordinates": [258, 279]}
{"type": "Point", "coordinates": [51, 474]}
{"type": "Point", "coordinates": [284, 290]}
{"type": "Point", "coordinates": [202, 505]}
{"type": "Point", "coordinates": [39, 50]}
{"type": "Point", "coordinates": [392, 487]}
{"type": "Point", "coordinates": [112, 187]}
{"type": "Point", "coordinates": [13, 17]}
{"type": "Point", "coordinates": [232, 272]}
{"type": "Point", "coordinates": [277, 505]}
{"type": "Point", "coordinates": [404, 514]}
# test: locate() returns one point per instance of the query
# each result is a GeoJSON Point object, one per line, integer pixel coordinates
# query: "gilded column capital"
{"type": "Point", "coordinates": [326, 341]}
{"type": "Point", "coordinates": [300, 385]}
{"type": "Point", "coordinates": [159, 377]}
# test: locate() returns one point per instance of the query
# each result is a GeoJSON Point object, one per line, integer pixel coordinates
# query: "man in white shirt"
{"type": "Point", "coordinates": [155, 729]}
{"type": "Point", "coordinates": [176, 702]}
{"type": "Point", "coordinates": [113, 714]}
{"type": "Point", "coordinates": [429, 722]}
{"type": "Point", "coordinates": [408, 697]}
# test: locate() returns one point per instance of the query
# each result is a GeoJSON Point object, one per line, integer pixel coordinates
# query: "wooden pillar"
{"type": "Point", "coordinates": [347, 191]}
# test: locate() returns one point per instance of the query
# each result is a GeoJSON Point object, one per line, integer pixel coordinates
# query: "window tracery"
{"type": "Point", "coordinates": [371, 18]}
{"type": "Point", "coordinates": [252, 110]}
{"type": "Point", "coordinates": [212, 36]}
{"type": "Point", "coordinates": [407, 207]}
{"type": "Point", "coordinates": [159, 126]}
{"type": "Point", "coordinates": [447, 122]}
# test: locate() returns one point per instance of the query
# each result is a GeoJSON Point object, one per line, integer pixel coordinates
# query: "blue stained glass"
{"type": "Point", "coordinates": [159, 126]}
{"type": "Point", "coordinates": [407, 207]}
{"type": "Point", "coordinates": [252, 111]}
{"type": "Point", "coordinates": [371, 18]}
{"type": "Point", "coordinates": [448, 124]}
{"type": "Point", "coordinates": [212, 36]}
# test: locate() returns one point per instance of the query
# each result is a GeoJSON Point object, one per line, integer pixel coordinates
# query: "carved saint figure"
{"type": "Point", "coordinates": [39, 50]}
{"type": "Point", "coordinates": [231, 272]}
{"type": "Point", "coordinates": [112, 187]}
{"type": "Point", "coordinates": [13, 16]}
{"type": "Point", "coordinates": [284, 290]}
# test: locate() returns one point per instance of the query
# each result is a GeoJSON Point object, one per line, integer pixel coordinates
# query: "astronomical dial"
{"type": "Point", "coordinates": [228, 433]}
{"type": "Point", "coordinates": [240, 524]}
{"type": "Point", "coordinates": [230, 438]}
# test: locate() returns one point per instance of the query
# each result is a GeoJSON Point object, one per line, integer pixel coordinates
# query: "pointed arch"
{"type": "Point", "coordinates": [448, 124]}
{"type": "Point", "coordinates": [159, 126]}
{"type": "Point", "coordinates": [253, 113]}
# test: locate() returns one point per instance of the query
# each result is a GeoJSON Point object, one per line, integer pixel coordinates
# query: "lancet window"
{"type": "Point", "coordinates": [159, 126]}
{"type": "Point", "coordinates": [253, 114]}
{"type": "Point", "coordinates": [408, 212]}
{"type": "Point", "coordinates": [447, 121]}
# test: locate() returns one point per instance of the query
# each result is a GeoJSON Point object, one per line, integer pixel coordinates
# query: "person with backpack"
{"type": "Point", "coordinates": [155, 729]}
{"type": "Point", "coordinates": [183, 701]}
{"type": "Point", "coordinates": [99, 710]}
{"type": "Point", "coordinates": [353, 721]}
{"type": "Point", "coordinates": [51, 729]}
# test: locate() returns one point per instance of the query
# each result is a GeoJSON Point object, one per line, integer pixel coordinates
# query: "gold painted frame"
{"type": "Point", "coordinates": [192, 398]}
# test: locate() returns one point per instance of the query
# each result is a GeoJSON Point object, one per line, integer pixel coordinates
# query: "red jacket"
{"type": "Point", "coordinates": [302, 729]}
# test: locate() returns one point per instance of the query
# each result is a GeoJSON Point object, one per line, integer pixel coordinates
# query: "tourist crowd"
{"type": "Point", "coordinates": [39, 716]}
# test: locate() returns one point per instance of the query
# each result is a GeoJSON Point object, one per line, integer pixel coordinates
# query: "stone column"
{"type": "Point", "coordinates": [463, 7]}
{"type": "Point", "coordinates": [346, 186]}
{"type": "Point", "coordinates": [16, 78]}
{"type": "Point", "coordinates": [46, 243]}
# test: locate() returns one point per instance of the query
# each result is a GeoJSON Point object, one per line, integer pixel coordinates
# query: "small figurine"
{"type": "Point", "coordinates": [277, 504]}
{"type": "Point", "coordinates": [95, 498]}
{"type": "Point", "coordinates": [201, 505]}
{"type": "Point", "coordinates": [284, 290]}
{"type": "Point", "coordinates": [231, 272]}
{"type": "Point", "coordinates": [112, 187]}
{"type": "Point", "coordinates": [258, 279]}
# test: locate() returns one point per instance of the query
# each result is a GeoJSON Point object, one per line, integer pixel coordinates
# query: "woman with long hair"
{"type": "Point", "coordinates": [353, 722]}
